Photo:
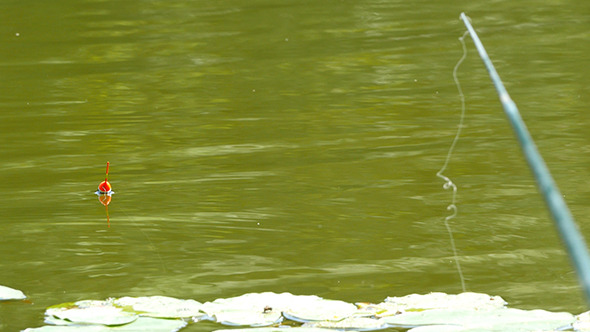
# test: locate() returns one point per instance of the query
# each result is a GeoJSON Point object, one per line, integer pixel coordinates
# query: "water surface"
{"type": "Point", "coordinates": [284, 146]}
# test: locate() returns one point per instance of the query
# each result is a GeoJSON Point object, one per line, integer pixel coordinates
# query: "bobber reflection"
{"type": "Point", "coordinates": [105, 199]}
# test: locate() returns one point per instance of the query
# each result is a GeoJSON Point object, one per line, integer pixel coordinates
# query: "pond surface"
{"type": "Point", "coordinates": [285, 146]}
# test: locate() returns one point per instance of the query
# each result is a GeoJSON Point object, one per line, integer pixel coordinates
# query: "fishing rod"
{"type": "Point", "coordinates": [568, 230]}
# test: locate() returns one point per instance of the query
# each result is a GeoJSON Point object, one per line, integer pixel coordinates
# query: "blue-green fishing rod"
{"type": "Point", "coordinates": [568, 230]}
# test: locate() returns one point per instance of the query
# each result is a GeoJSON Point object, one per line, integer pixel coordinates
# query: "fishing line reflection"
{"type": "Point", "coordinates": [105, 193]}
{"type": "Point", "coordinates": [105, 199]}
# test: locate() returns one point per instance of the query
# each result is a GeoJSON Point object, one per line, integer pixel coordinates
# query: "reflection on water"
{"type": "Point", "coordinates": [283, 147]}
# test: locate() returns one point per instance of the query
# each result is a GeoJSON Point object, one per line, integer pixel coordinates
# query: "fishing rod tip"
{"type": "Point", "coordinates": [464, 17]}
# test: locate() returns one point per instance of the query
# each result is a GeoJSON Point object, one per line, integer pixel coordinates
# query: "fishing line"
{"type": "Point", "coordinates": [448, 182]}
{"type": "Point", "coordinates": [105, 194]}
{"type": "Point", "coordinates": [151, 245]}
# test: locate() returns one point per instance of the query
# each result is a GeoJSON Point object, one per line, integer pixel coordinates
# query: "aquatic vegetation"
{"type": "Point", "coordinates": [262, 309]}
{"type": "Point", "coordinates": [7, 293]}
{"type": "Point", "coordinates": [140, 324]}
{"type": "Point", "coordinates": [272, 312]}
{"type": "Point", "coordinates": [277, 329]}
{"type": "Point", "coordinates": [467, 300]}
{"type": "Point", "coordinates": [355, 323]}
{"type": "Point", "coordinates": [88, 312]}
{"type": "Point", "coordinates": [161, 306]}
{"type": "Point", "coordinates": [504, 319]}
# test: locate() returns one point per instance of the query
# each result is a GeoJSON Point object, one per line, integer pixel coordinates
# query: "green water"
{"type": "Point", "coordinates": [284, 146]}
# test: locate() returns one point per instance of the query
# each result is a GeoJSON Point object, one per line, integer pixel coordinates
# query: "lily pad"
{"type": "Point", "coordinates": [417, 302]}
{"type": "Point", "coordinates": [253, 309]}
{"type": "Point", "coordinates": [582, 322]}
{"type": "Point", "coordinates": [278, 329]}
{"type": "Point", "coordinates": [522, 327]}
{"type": "Point", "coordinates": [88, 312]}
{"type": "Point", "coordinates": [152, 324]}
{"type": "Point", "coordinates": [68, 328]}
{"type": "Point", "coordinates": [494, 319]}
{"type": "Point", "coordinates": [319, 310]}
{"type": "Point", "coordinates": [466, 312]}
{"type": "Point", "coordinates": [248, 317]}
{"type": "Point", "coordinates": [161, 306]}
{"type": "Point", "coordinates": [261, 309]}
{"type": "Point", "coordinates": [258, 301]}
{"type": "Point", "coordinates": [140, 324]}
{"type": "Point", "coordinates": [7, 293]}
{"type": "Point", "coordinates": [355, 323]}
{"type": "Point", "coordinates": [467, 300]}
{"type": "Point", "coordinates": [440, 328]}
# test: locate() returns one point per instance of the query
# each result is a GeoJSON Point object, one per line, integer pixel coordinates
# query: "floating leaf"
{"type": "Point", "coordinates": [69, 328]}
{"type": "Point", "coordinates": [140, 324]}
{"type": "Point", "coordinates": [248, 317]}
{"type": "Point", "coordinates": [253, 309]}
{"type": "Point", "coordinates": [258, 301]}
{"type": "Point", "coordinates": [161, 306]}
{"type": "Point", "coordinates": [417, 302]}
{"type": "Point", "coordinates": [278, 329]}
{"type": "Point", "coordinates": [493, 319]}
{"type": "Point", "coordinates": [260, 309]}
{"type": "Point", "coordinates": [467, 312]}
{"type": "Point", "coordinates": [152, 324]}
{"type": "Point", "coordinates": [319, 310]}
{"type": "Point", "coordinates": [582, 322]}
{"type": "Point", "coordinates": [7, 293]}
{"type": "Point", "coordinates": [88, 312]}
{"type": "Point", "coordinates": [355, 323]}
{"type": "Point", "coordinates": [518, 327]}
{"type": "Point", "coordinates": [441, 328]}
